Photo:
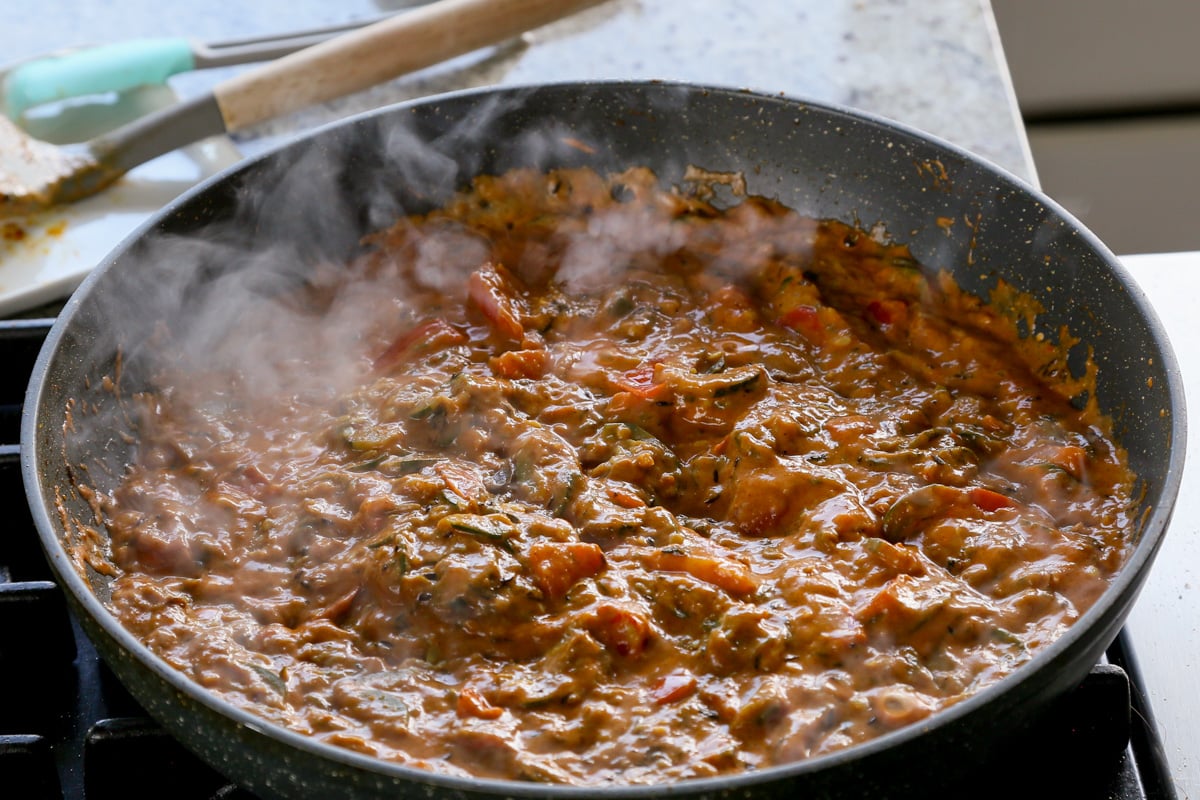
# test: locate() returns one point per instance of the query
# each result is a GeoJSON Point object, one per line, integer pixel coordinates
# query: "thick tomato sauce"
{"type": "Point", "coordinates": [597, 483]}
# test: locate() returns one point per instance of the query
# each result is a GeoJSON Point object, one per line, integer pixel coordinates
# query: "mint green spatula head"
{"type": "Point", "coordinates": [94, 71]}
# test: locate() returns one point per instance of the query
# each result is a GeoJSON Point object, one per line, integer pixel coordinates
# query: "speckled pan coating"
{"type": "Point", "coordinates": [956, 211]}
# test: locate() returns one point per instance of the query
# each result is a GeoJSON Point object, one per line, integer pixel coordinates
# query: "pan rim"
{"type": "Point", "coordinates": [1153, 529]}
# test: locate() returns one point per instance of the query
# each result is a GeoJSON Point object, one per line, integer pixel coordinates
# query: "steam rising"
{"type": "Point", "coordinates": [218, 270]}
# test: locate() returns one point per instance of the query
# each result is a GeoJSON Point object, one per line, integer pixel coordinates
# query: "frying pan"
{"type": "Point", "coordinates": [251, 230]}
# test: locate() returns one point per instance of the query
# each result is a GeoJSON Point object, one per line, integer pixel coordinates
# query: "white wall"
{"type": "Point", "coordinates": [1126, 169]}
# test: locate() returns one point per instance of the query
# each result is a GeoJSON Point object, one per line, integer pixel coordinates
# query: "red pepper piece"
{"type": "Point", "coordinates": [888, 312]}
{"type": "Point", "coordinates": [805, 319]}
{"type": "Point", "coordinates": [988, 500]}
{"type": "Point", "coordinates": [673, 687]}
{"type": "Point", "coordinates": [640, 383]}
{"type": "Point", "coordinates": [491, 289]}
{"type": "Point", "coordinates": [428, 336]}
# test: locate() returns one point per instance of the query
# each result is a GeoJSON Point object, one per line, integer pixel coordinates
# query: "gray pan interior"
{"type": "Point", "coordinates": [821, 160]}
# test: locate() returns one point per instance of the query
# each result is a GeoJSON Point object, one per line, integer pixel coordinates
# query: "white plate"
{"type": "Point", "coordinates": [44, 257]}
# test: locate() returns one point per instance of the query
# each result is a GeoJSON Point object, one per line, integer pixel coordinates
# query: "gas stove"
{"type": "Point", "coordinates": [69, 731]}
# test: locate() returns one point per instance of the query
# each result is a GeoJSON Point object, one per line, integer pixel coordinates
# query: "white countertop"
{"type": "Point", "coordinates": [1164, 626]}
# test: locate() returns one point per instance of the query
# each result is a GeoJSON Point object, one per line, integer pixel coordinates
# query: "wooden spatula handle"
{"type": "Point", "coordinates": [380, 52]}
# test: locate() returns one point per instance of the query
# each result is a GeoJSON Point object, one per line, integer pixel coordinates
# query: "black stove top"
{"type": "Point", "coordinates": [69, 731]}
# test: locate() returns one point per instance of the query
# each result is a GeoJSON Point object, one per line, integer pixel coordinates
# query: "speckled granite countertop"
{"type": "Point", "coordinates": [932, 64]}
{"type": "Point", "coordinates": [935, 65]}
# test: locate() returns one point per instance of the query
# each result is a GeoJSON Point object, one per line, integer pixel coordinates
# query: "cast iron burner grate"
{"type": "Point", "coordinates": [69, 731]}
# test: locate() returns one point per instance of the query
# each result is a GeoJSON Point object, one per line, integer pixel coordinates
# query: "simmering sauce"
{"type": "Point", "coordinates": [582, 480]}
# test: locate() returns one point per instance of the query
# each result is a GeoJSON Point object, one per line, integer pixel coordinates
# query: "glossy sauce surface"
{"type": "Point", "coordinates": [581, 480]}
